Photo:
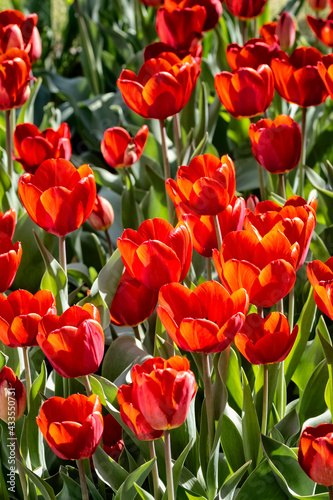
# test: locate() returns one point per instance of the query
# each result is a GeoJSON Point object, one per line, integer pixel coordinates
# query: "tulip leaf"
{"type": "Point", "coordinates": [26, 114]}
{"type": "Point", "coordinates": [328, 349]}
{"type": "Point", "coordinates": [289, 425]}
{"type": "Point", "coordinates": [71, 489]}
{"type": "Point", "coordinates": [310, 358]}
{"type": "Point", "coordinates": [127, 491]}
{"type": "Point", "coordinates": [105, 178]}
{"type": "Point", "coordinates": [44, 488]}
{"type": "Point", "coordinates": [230, 485]}
{"type": "Point", "coordinates": [318, 248]}
{"type": "Point", "coordinates": [3, 360]}
{"type": "Point", "coordinates": [108, 470]}
{"type": "Point", "coordinates": [231, 439]}
{"type": "Point", "coordinates": [109, 389]}
{"type": "Point", "coordinates": [261, 484]}
{"type": "Point", "coordinates": [201, 127]}
{"type": "Point", "coordinates": [130, 213]}
{"type": "Point", "coordinates": [182, 435]}
{"type": "Point", "coordinates": [313, 398]}
{"type": "Point", "coordinates": [234, 383]}
{"type": "Point", "coordinates": [122, 353]}
{"type": "Point", "coordinates": [143, 493]}
{"type": "Point", "coordinates": [250, 425]}
{"type": "Point", "coordinates": [190, 482]}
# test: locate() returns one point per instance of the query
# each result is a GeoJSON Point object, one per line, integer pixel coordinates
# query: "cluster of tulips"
{"type": "Point", "coordinates": [253, 249]}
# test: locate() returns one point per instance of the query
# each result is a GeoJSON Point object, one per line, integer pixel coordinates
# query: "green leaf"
{"type": "Point", "coordinates": [109, 389]}
{"type": "Point", "coordinates": [143, 493]}
{"type": "Point", "coordinates": [27, 110]}
{"type": "Point", "coordinates": [3, 360]}
{"type": "Point", "coordinates": [261, 484]}
{"type": "Point", "coordinates": [130, 214]}
{"type": "Point", "coordinates": [231, 439]}
{"type": "Point", "coordinates": [318, 248]}
{"type": "Point", "coordinates": [122, 353]}
{"type": "Point", "coordinates": [230, 485]}
{"type": "Point", "coordinates": [108, 470]}
{"type": "Point", "coordinates": [44, 488]}
{"type": "Point", "coordinates": [310, 358]}
{"type": "Point", "coordinates": [250, 425]}
{"type": "Point", "coordinates": [313, 401]}
{"type": "Point", "coordinates": [201, 127]}
{"type": "Point", "coordinates": [234, 383]}
{"type": "Point", "coordinates": [127, 491]}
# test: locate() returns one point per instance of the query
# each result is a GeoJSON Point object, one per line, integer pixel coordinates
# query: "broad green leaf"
{"type": "Point", "coordinates": [26, 114]}
{"type": "Point", "coordinates": [191, 483]}
{"type": "Point", "coordinates": [201, 127]}
{"type": "Point", "coordinates": [229, 486]}
{"type": "Point", "coordinates": [312, 402]}
{"type": "Point", "coordinates": [234, 383]}
{"type": "Point", "coordinates": [231, 440]}
{"type": "Point", "coordinates": [108, 470]}
{"type": "Point", "coordinates": [143, 493]}
{"type": "Point", "coordinates": [250, 425]}
{"type": "Point", "coordinates": [127, 491]}
{"type": "Point", "coordinates": [261, 484]}
{"type": "Point", "coordinates": [318, 248]}
{"type": "Point", "coordinates": [3, 360]}
{"type": "Point", "coordinates": [122, 353]}
{"type": "Point", "coordinates": [310, 358]}
{"type": "Point", "coordinates": [44, 488]}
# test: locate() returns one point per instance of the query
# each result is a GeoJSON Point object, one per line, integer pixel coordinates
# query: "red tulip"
{"type": "Point", "coordinates": [58, 197]}
{"type": "Point", "coordinates": [73, 427]}
{"type": "Point", "coordinates": [202, 227]}
{"type": "Point", "coordinates": [325, 70]}
{"type": "Point", "coordinates": [297, 79]}
{"type": "Point", "coordinates": [317, 5]}
{"type": "Point", "coordinates": [10, 258]}
{"type": "Point", "coordinates": [246, 92]}
{"type": "Point", "coordinates": [265, 266]}
{"type": "Point", "coordinates": [74, 341]}
{"type": "Point", "coordinates": [18, 31]}
{"type": "Point", "coordinates": [8, 222]}
{"type": "Point", "coordinates": [162, 87]}
{"type": "Point", "coordinates": [204, 320]}
{"type": "Point", "coordinates": [119, 149]}
{"type": "Point", "coordinates": [15, 70]}
{"type": "Point", "coordinates": [102, 215]}
{"type": "Point", "coordinates": [254, 53]}
{"type": "Point", "coordinates": [113, 443]}
{"type": "Point", "coordinates": [33, 147]}
{"type": "Point", "coordinates": [206, 186]}
{"type": "Point", "coordinates": [286, 30]}
{"type": "Point", "coordinates": [315, 453]}
{"type": "Point", "coordinates": [152, 3]}
{"type": "Point", "coordinates": [276, 144]}
{"type": "Point", "coordinates": [13, 397]}
{"type": "Point", "coordinates": [158, 49]}
{"type": "Point", "coordinates": [133, 303]}
{"type": "Point", "coordinates": [296, 220]}
{"type": "Point", "coordinates": [20, 313]}
{"type": "Point", "coordinates": [157, 253]}
{"type": "Point", "coordinates": [245, 9]}
{"type": "Point", "coordinates": [321, 278]}
{"type": "Point", "coordinates": [265, 340]}
{"type": "Point", "coordinates": [322, 29]}
{"type": "Point", "coordinates": [268, 33]}
{"type": "Point", "coordinates": [213, 9]}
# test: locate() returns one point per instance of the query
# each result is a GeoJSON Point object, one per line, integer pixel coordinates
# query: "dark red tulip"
{"type": "Point", "coordinates": [254, 53]}
{"type": "Point", "coordinates": [158, 49]}
{"type": "Point", "coordinates": [20, 313]}
{"type": "Point", "coordinates": [297, 79]}
{"type": "Point", "coordinates": [73, 427]}
{"type": "Point", "coordinates": [318, 5]}
{"type": "Point", "coordinates": [213, 9]}
{"type": "Point", "coordinates": [265, 340]}
{"type": "Point", "coordinates": [58, 197]}
{"type": "Point", "coordinates": [152, 3]}
{"type": "Point", "coordinates": [119, 149]}
{"type": "Point", "coordinates": [113, 443]}
{"type": "Point", "coordinates": [15, 70]}
{"type": "Point", "coordinates": [8, 222]}
{"type": "Point", "coordinates": [322, 29]}
{"type": "Point", "coordinates": [246, 92]}
{"type": "Point", "coordinates": [245, 9]}
{"type": "Point", "coordinates": [276, 144]}
{"type": "Point", "coordinates": [320, 275]}
{"type": "Point", "coordinates": [33, 147]}
{"type": "Point", "coordinates": [268, 33]}
{"type": "Point", "coordinates": [10, 258]}
{"type": "Point", "coordinates": [18, 31]}
{"type": "Point", "coordinates": [315, 453]}
{"type": "Point", "coordinates": [11, 391]}
{"type": "Point", "coordinates": [102, 215]}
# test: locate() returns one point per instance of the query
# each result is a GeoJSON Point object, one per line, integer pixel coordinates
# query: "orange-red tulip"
{"type": "Point", "coordinates": [204, 320]}
{"type": "Point", "coordinates": [102, 215]}
{"type": "Point", "coordinates": [265, 266]}
{"type": "Point", "coordinates": [297, 79]}
{"type": "Point", "coordinates": [162, 87]}
{"type": "Point", "coordinates": [18, 31]}
{"type": "Point", "coordinates": [10, 258]}
{"type": "Point", "coordinates": [206, 186]}
{"type": "Point", "coordinates": [113, 443]}
{"type": "Point", "coordinates": [213, 9]}
{"type": "Point", "coordinates": [58, 197]}
{"type": "Point", "coordinates": [265, 340]}
{"type": "Point", "coordinates": [8, 222]}
{"type": "Point", "coordinates": [13, 397]}
{"type": "Point", "coordinates": [33, 147]}
{"type": "Point", "coordinates": [73, 427]}
{"type": "Point", "coordinates": [74, 341]}
{"type": "Point", "coordinates": [246, 92]}
{"type": "Point", "coordinates": [245, 9]}
{"type": "Point", "coordinates": [20, 314]}
{"type": "Point", "coordinates": [276, 144]}
{"type": "Point", "coordinates": [296, 220]}
{"type": "Point", "coordinates": [15, 70]}
{"type": "Point", "coordinates": [268, 33]}
{"type": "Point", "coordinates": [133, 303]}
{"type": "Point", "coordinates": [254, 53]}
{"type": "Point", "coordinates": [315, 453]}
{"type": "Point", "coordinates": [325, 70]}
{"type": "Point", "coordinates": [158, 49]}
{"type": "Point", "coordinates": [119, 149]}
{"type": "Point", "coordinates": [321, 278]}
{"type": "Point", "coordinates": [157, 253]}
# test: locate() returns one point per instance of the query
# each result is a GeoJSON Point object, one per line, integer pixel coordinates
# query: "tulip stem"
{"type": "Point", "coordinates": [209, 398]}
{"type": "Point", "coordinates": [87, 385]}
{"type": "Point", "coordinates": [62, 253]}
{"type": "Point", "coordinates": [261, 183]}
{"type": "Point", "coordinates": [303, 157]}
{"type": "Point", "coordinates": [18, 458]}
{"type": "Point", "coordinates": [168, 465]}
{"type": "Point", "coordinates": [27, 374]}
{"type": "Point", "coordinates": [282, 186]}
{"type": "Point", "coordinates": [166, 165]}
{"type": "Point", "coordinates": [108, 240]}
{"type": "Point", "coordinates": [244, 31]}
{"type": "Point", "coordinates": [218, 231]}
{"type": "Point", "coordinates": [330, 492]}
{"type": "Point", "coordinates": [209, 268]}
{"type": "Point", "coordinates": [137, 333]}
{"type": "Point", "coordinates": [265, 402]}
{"type": "Point", "coordinates": [177, 137]}
{"type": "Point", "coordinates": [9, 145]}
{"type": "Point", "coordinates": [154, 470]}
{"type": "Point", "coordinates": [83, 482]}
{"type": "Point", "coordinates": [291, 308]}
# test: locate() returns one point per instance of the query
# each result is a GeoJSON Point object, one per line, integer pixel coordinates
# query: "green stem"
{"type": "Point", "coordinates": [244, 31]}
{"type": "Point", "coordinates": [87, 385]}
{"type": "Point", "coordinates": [282, 186]}
{"type": "Point", "coordinates": [303, 157]}
{"type": "Point", "coordinates": [27, 374]}
{"type": "Point", "coordinates": [137, 333]}
{"type": "Point", "coordinates": [291, 308]}
{"type": "Point", "coordinates": [218, 231]}
{"type": "Point", "coordinates": [265, 402]}
{"type": "Point", "coordinates": [209, 268]}
{"type": "Point", "coordinates": [209, 398]}
{"type": "Point", "coordinates": [154, 470]}
{"type": "Point", "coordinates": [62, 253]}
{"type": "Point", "coordinates": [108, 240]}
{"type": "Point", "coordinates": [166, 165]}
{"type": "Point", "coordinates": [168, 465]}
{"type": "Point", "coordinates": [280, 393]}
{"type": "Point", "coordinates": [177, 136]}
{"type": "Point", "coordinates": [83, 483]}
{"type": "Point", "coordinates": [261, 183]}
{"type": "Point", "coordinates": [9, 145]}
{"type": "Point", "coordinates": [18, 458]}
{"type": "Point", "coordinates": [279, 306]}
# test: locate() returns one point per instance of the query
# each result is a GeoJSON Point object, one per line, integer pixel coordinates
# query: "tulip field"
{"type": "Point", "coordinates": [166, 249]}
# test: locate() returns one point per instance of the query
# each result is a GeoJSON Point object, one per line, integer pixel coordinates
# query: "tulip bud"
{"type": "Point", "coordinates": [102, 215]}
{"type": "Point", "coordinates": [251, 202]}
{"type": "Point", "coordinates": [13, 396]}
{"type": "Point", "coordinates": [286, 31]}
{"type": "Point", "coordinates": [317, 4]}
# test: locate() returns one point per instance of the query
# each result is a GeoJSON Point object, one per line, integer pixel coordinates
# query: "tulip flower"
{"type": "Point", "coordinates": [8, 222]}
{"type": "Point", "coordinates": [321, 278]}
{"type": "Point", "coordinates": [157, 253]}
{"type": "Point", "coordinates": [297, 79]}
{"type": "Point", "coordinates": [286, 30]}
{"type": "Point", "coordinates": [254, 53]}
{"type": "Point", "coordinates": [10, 258]}
{"type": "Point", "coordinates": [73, 427]}
{"type": "Point", "coordinates": [315, 453]}
{"type": "Point", "coordinates": [265, 340]}
{"type": "Point", "coordinates": [245, 9]}
{"type": "Point", "coordinates": [268, 33]}
{"type": "Point", "coordinates": [102, 215]}
{"type": "Point", "coordinates": [246, 92]}
{"type": "Point", "coordinates": [322, 29]}
{"type": "Point", "coordinates": [132, 303]}
{"type": "Point", "coordinates": [264, 266]}
{"type": "Point", "coordinates": [18, 31]}
{"type": "Point", "coordinates": [33, 147]}
{"type": "Point", "coordinates": [276, 144]}
{"type": "Point", "coordinates": [74, 341]}
{"type": "Point", "coordinates": [152, 3]}
{"type": "Point", "coordinates": [119, 149]}
{"type": "Point", "coordinates": [15, 70]}
{"type": "Point", "coordinates": [203, 320]}
{"type": "Point", "coordinates": [325, 70]}
{"type": "Point", "coordinates": [162, 87]}
{"type": "Point", "coordinates": [113, 443]}
{"type": "Point", "coordinates": [13, 397]}
{"type": "Point", "coordinates": [58, 197]}
{"type": "Point", "coordinates": [317, 5]}
{"type": "Point", "coordinates": [158, 49]}
{"type": "Point", "coordinates": [296, 220]}
{"type": "Point", "coordinates": [20, 313]}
